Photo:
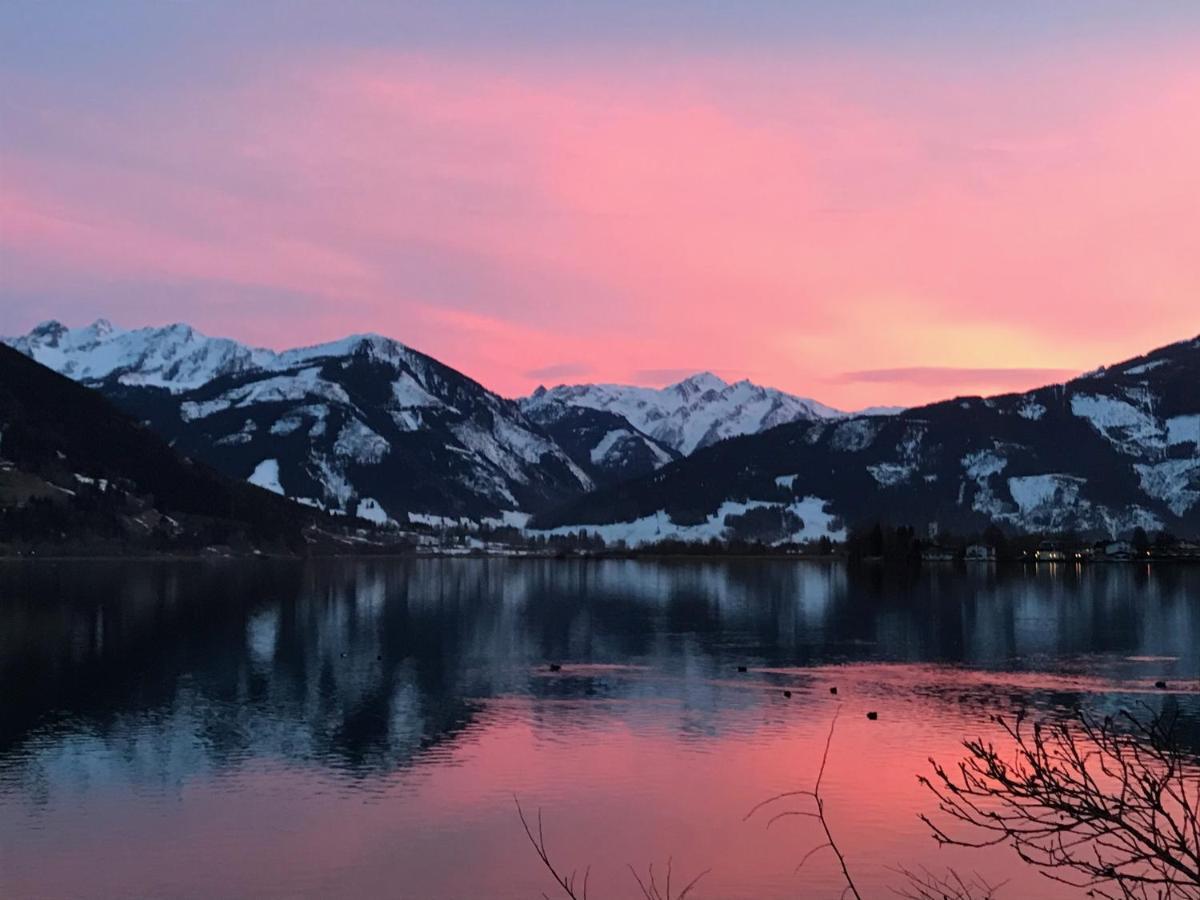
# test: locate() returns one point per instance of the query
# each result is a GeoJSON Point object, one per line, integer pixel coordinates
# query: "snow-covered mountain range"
{"type": "Point", "coordinates": [213, 397]}
{"type": "Point", "coordinates": [367, 426]}
{"type": "Point", "coordinates": [1110, 451]}
{"type": "Point", "coordinates": [363, 425]}
{"type": "Point", "coordinates": [691, 414]}
{"type": "Point", "coordinates": [175, 357]}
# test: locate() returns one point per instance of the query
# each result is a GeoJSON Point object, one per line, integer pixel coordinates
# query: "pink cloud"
{"type": "Point", "coordinates": [785, 221]}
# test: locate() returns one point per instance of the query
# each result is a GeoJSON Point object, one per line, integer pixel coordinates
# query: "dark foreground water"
{"type": "Point", "coordinates": [359, 729]}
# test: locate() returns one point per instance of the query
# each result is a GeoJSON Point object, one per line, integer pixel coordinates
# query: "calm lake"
{"type": "Point", "coordinates": [360, 728]}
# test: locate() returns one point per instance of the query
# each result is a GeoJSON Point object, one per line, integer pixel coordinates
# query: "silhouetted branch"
{"type": "Point", "coordinates": [567, 882]}
{"type": "Point", "coordinates": [819, 815]}
{"type": "Point", "coordinates": [1113, 810]}
{"type": "Point", "coordinates": [650, 889]}
{"type": "Point", "coordinates": [570, 886]}
{"type": "Point", "coordinates": [923, 884]}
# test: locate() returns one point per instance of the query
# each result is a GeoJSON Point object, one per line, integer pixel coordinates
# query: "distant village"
{"type": "Point", "coordinates": [864, 545]}
{"type": "Point", "coordinates": [1067, 551]}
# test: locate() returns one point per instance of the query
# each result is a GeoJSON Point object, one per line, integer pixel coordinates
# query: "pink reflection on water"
{"type": "Point", "coordinates": [631, 781]}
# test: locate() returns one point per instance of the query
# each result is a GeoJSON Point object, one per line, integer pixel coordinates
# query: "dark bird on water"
{"type": "Point", "coordinates": [787, 694]}
{"type": "Point", "coordinates": [833, 690]}
{"type": "Point", "coordinates": [1161, 685]}
{"type": "Point", "coordinates": [872, 715]}
{"type": "Point", "coordinates": [742, 669]}
{"type": "Point", "coordinates": [555, 667]}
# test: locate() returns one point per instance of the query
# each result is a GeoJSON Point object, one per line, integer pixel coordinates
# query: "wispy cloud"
{"type": "Point", "coordinates": [558, 370]}
{"type": "Point", "coordinates": [950, 376]}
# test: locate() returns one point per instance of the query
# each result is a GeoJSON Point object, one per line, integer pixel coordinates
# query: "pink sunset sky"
{"type": "Point", "coordinates": [879, 212]}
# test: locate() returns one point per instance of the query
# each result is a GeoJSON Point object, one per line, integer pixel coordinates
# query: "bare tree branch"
{"type": "Point", "coordinates": [650, 889]}
{"type": "Point", "coordinates": [922, 884]}
{"type": "Point", "coordinates": [1109, 806]}
{"type": "Point", "coordinates": [568, 883]}
{"type": "Point", "coordinates": [573, 890]}
{"type": "Point", "coordinates": [818, 814]}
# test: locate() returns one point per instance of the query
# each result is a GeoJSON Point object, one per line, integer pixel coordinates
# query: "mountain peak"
{"type": "Point", "coordinates": [182, 329]}
{"type": "Point", "coordinates": [701, 382]}
{"type": "Point", "coordinates": [51, 328]}
{"type": "Point", "coordinates": [174, 356]}
{"type": "Point", "coordinates": [368, 343]}
{"type": "Point", "coordinates": [692, 413]}
{"type": "Point", "coordinates": [101, 328]}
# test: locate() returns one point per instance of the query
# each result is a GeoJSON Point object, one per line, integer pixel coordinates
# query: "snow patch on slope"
{"type": "Point", "coordinates": [980, 466]}
{"type": "Point", "coordinates": [908, 453]}
{"type": "Point", "coordinates": [408, 394]}
{"type": "Point", "coordinates": [1129, 428]}
{"type": "Point", "coordinates": [854, 434]}
{"type": "Point", "coordinates": [1174, 481]}
{"type": "Point", "coordinates": [245, 436]}
{"type": "Point", "coordinates": [1031, 410]}
{"type": "Point", "coordinates": [369, 509]}
{"type": "Point", "coordinates": [266, 475]}
{"type": "Point", "coordinates": [1184, 430]}
{"type": "Point", "coordinates": [818, 521]}
{"type": "Point", "coordinates": [1036, 494]}
{"type": "Point", "coordinates": [337, 488]}
{"type": "Point", "coordinates": [509, 518]}
{"type": "Point", "coordinates": [983, 463]}
{"type": "Point", "coordinates": [890, 474]}
{"type": "Point", "coordinates": [484, 443]}
{"type": "Point", "coordinates": [600, 452]}
{"type": "Point", "coordinates": [1143, 368]}
{"type": "Point", "coordinates": [812, 511]}
{"type": "Point", "coordinates": [358, 442]}
{"type": "Point", "coordinates": [291, 387]}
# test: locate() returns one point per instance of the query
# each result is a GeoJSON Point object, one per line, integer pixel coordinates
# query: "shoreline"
{"type": "Point", "coordinates": [863, 564]}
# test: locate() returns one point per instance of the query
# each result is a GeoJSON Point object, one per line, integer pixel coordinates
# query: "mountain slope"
{"type": "Point", "coordinates": [602, 443]}
{"type": "Point", "coordinates": [1107, 452]}
{"type": "Point", "coordinates": [694, 413]}
{"type": "Point", "coordinates": [74, 467]}
{"type": "Point", "coordinates": [363, 425]}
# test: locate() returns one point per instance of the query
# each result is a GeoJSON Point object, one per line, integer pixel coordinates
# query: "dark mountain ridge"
{"type": "Point", "coordinates": [1110, 451]}
{"type": "Point", "coordinates": [73, 467]}
{"type": "Point", "coordinates": [361, 426]}
{"type": "Point", "coordinates": [343, 438]}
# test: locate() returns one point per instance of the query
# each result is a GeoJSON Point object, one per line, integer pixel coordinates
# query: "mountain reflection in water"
{"type": "Point", "coordinates": [360, 727]}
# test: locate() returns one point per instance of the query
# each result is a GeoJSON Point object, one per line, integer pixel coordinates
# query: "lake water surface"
{"type": "Point", "coordinates": [360, 728]}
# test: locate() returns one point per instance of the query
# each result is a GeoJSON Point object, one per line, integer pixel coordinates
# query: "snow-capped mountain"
{"type": "Point", "coordinates": [175, 357]}
{"type": "Point", "coordinates": [694, 413]}
{"type": "Point", "coordinates": [602, 443]}
{"type": "Point", "coordinates": [363, 425]}
{"type": "Point", "coordinates": [1105, 453]}
{"type": "Point", "coordinates": [215, 399]}
{"type": "Point", "coordinates": [370, 427]}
